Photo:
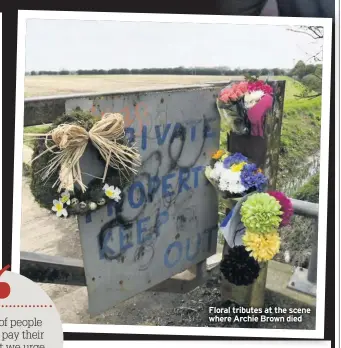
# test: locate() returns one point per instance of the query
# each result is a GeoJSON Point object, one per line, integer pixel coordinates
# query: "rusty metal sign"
{"type": "Point", "coordinates": [167, 221]}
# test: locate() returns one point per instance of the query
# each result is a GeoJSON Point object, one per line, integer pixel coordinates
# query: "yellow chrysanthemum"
{"type": "Point", "coordinates": [237, 167]}
{"type": "Point", "coordinates": [263, 247]}
{"type": "Point", "coordinates": [217, 155]}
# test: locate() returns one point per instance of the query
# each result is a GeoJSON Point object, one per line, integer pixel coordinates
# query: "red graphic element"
{"type": "Point", "coordinates": [5, 289]}
{"type": "Point", "coordinates": [140, 114]}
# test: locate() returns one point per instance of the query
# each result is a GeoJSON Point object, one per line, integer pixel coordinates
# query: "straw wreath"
{"type": "Point", "coordinates": [71, 140]}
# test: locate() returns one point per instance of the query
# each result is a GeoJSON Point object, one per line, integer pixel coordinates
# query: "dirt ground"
{"type": "Point", "coordinates": [69, 84]}
{"type": "Point", "coordinates": [190, 310]}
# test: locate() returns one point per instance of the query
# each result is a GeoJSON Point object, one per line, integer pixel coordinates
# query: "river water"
{"type": "Point", "coordinates": [302, 175]}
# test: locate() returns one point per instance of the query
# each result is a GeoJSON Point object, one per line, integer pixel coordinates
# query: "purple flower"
{"type": "Point", "coordinates": [250, 177]}
{"type": "Point", "coordinates": [234, 159]}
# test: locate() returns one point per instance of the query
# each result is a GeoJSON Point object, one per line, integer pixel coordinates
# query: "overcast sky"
{"type": "Point", "coordinates": [83, 44]}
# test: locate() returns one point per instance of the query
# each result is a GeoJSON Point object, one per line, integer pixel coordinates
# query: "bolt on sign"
{"type": "Point", "coordinates": [167, 220]}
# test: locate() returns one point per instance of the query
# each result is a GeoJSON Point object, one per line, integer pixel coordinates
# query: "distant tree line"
{"type": "Point", "coordinates": [167, 71]}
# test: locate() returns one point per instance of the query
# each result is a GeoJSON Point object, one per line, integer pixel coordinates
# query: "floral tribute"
{"type": "Point", "coordinates": [58, 179]}
{"type": "Point", "coordinates": [233, 175]}
{"type": "Point", "coordinates": [261, 214]}
{"type": "Point", "coordinates": [238, 267]}
{"type": "Point", "coordinates": [244, 106]}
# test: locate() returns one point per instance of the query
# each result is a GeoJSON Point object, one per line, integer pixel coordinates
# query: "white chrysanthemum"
{"type": "Point", "coordinates": [236, 188]}
{"type": "Point", "coordinates": [216, 171]}
{"type": "Point", "coordinates": [251, 99]}
{"type": "Point", "coordinates": [230, 181]}
{"type": "Point", "coordinates": [230, 176]}
{"type": "Point", "coordinates": [223, 185]}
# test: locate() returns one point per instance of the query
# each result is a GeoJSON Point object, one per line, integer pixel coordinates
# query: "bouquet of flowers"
{"type": "Point", "coordinates": [251, 231]}
{"type": "Point", "coordinates": [233, 175]}
{"type": "Point", "coordinates": [244, 106]}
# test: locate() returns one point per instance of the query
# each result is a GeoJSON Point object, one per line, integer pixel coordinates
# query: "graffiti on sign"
{"type": "Point", "coordinates": [167, 218]}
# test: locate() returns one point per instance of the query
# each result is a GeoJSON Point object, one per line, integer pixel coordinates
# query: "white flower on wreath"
{"type": "Point", "coordinates": [112, 192]}
{"type": "Point", "coordinates": [58, 207]}
{"type": "Point", "coordinates": [252, 98]}
{"type": "Point", "coordinates": [65, 197]}
{"type": "Point", "coordinates": [217, 170]}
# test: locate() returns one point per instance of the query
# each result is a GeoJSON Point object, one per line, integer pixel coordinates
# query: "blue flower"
{"type": "Point", "coordinates": [234, 159]}
{"type": "Point", "coordinates": [251, 178]}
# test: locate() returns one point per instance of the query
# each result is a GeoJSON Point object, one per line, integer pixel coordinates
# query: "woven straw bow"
{"type": "Point", "coordinates": [72, 141]}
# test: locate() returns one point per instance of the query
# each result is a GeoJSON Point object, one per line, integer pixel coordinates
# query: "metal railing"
{"type": "Point", "coordinates": [304, 280]}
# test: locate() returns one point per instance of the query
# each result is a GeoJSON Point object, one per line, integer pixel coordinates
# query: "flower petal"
{"type": "Point", "coordinates": [55, 202]}
{"type": "Point", "coordinates": [59, 213]}
{"type": "Point", "coordinates": [105, 187]}
{"type": "Point", "coordinates": [54, 208]}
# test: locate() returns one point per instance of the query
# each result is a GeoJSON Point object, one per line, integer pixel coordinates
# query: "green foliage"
{"type": "Point", "coordinates": [300, 135]}
{"type": "Point", "coordinates": [310, 76]}
{"type": "Point", "coordinates": [166, 71]}
{"type": "Point", "coordinates": [26, 169]}
{"type": "Point", "coordinates": [299, 69]}
{"type": "Point", "coordinates": [313, 82]}
{"type": "Point", "coordinates": [251, 78]}
{"type": "Point", "coordinates": [78, 117]}
{"type": "Point", "coordinates": [41, 129]}
{"type": "Point", "coordinates": [42, 190]}
{"type": "Point", "coordinates": [310, 191]}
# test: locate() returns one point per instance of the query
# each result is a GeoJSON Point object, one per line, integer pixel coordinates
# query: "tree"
{"type": "Point", "coordinates": [264, 72]}
{"type": "Point", "coordinates": [299, 69]}
{"type": "Point", "coordinates": [316, 33]}
{"type": "Point", "coordinates": [313, 83]}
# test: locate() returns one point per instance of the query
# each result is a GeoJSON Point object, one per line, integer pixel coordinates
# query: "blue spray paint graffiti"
{"type": "Point", "coordinates": [184, 176]}
{"type": "Point", "coordinates": [141, 231]}
{"type": "Point", "coordinates": [162, 135]}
